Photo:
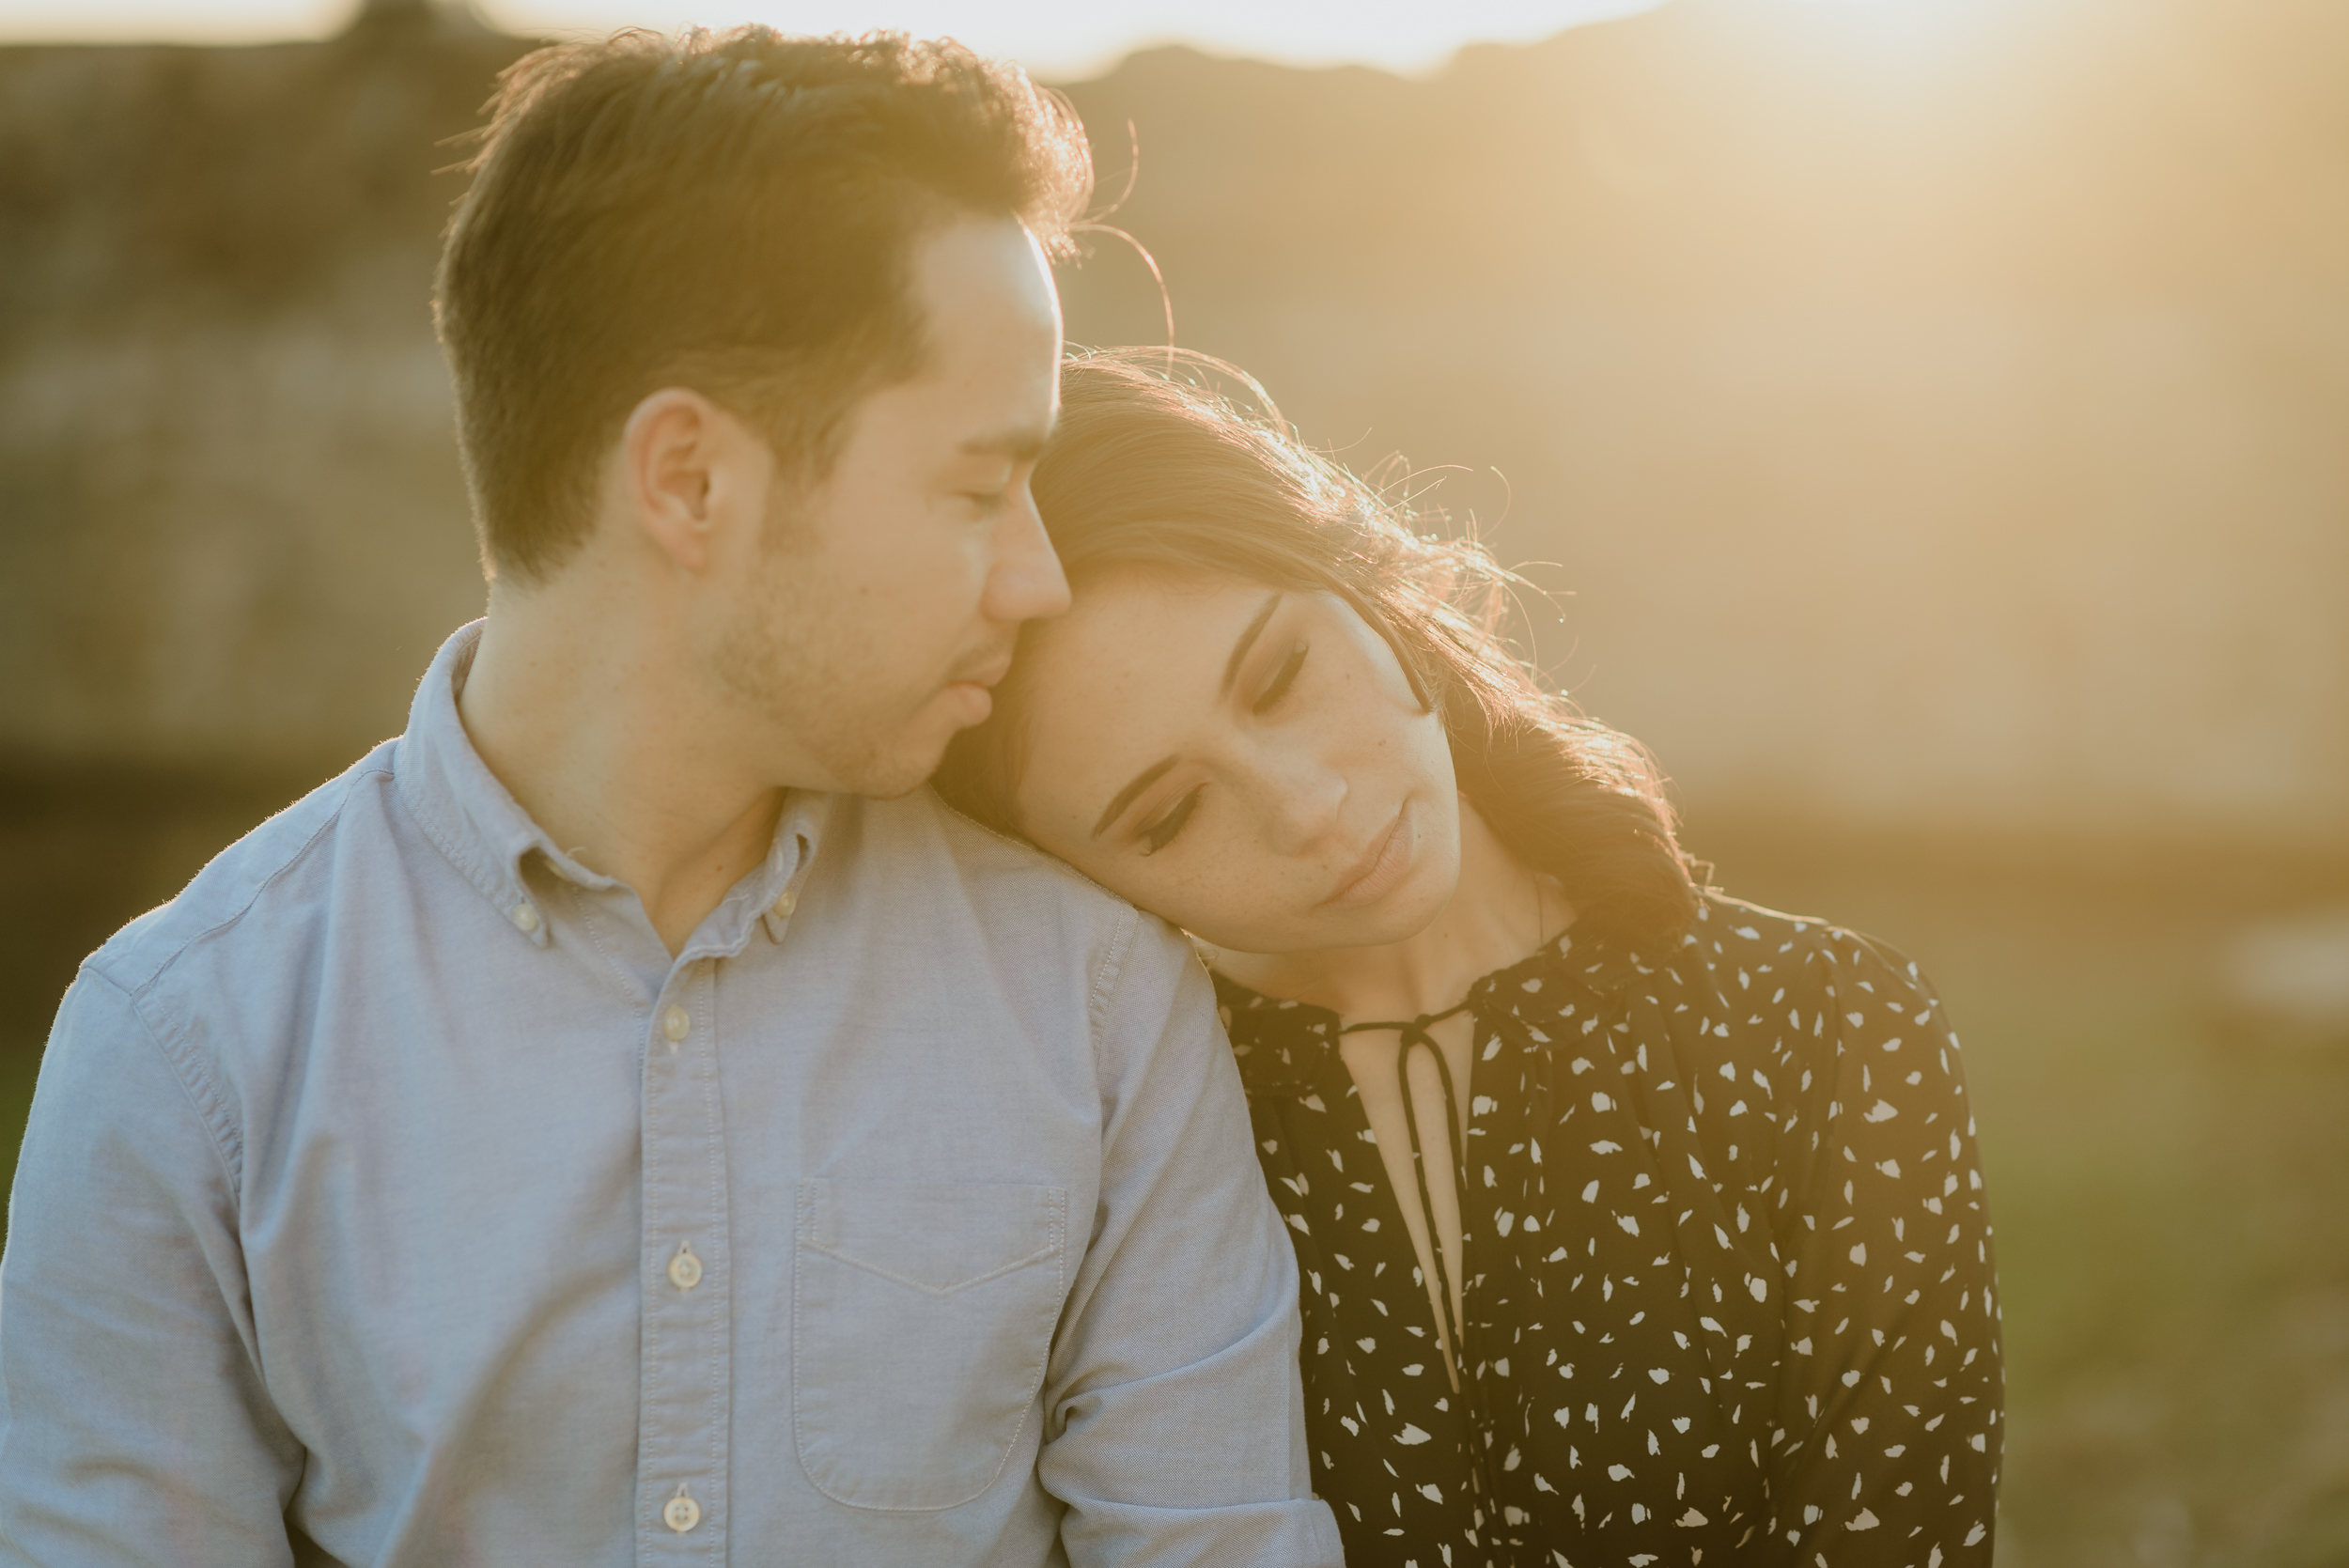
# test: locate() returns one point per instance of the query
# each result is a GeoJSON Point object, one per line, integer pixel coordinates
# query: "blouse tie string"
{"type": "Point", "coordinates": [1415, 1034]}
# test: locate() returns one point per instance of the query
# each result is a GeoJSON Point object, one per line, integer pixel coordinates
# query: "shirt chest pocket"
{"type": "Point", "coordinates": [922, 1315]}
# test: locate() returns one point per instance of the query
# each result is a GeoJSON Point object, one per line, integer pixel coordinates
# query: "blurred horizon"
{"type": "Point", "coordinates": [1052, 38]}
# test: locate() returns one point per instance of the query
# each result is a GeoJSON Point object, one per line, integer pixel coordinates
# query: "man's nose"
{"type": "Point", "coordinates": [1025, 582]}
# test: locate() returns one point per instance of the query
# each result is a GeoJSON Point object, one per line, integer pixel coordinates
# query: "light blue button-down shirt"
{"type": "Point", "coordinates": [393, 1194]}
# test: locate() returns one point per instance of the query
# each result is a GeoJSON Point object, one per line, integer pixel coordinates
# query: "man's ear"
{"type": "Point", "coordinates": [692, 472]}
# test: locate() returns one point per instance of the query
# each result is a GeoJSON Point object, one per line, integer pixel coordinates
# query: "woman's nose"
{"type": "Point", "coordinates": [1303, 802]}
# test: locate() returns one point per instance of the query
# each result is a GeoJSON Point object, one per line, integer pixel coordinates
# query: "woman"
{"type": "Point", "coordinates": [1635, 1224]}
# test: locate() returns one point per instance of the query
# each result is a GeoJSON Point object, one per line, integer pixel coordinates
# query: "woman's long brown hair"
{"type": "Point", "coordinates": [1151, 467]}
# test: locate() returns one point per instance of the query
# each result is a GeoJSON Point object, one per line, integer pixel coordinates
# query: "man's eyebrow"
{"type": "Point", "coordinates": [1020, 446]}
{"type": "Point", "coordinates": [1143, 781]}
{"type": "Point", "coordinates": [1247, 640]}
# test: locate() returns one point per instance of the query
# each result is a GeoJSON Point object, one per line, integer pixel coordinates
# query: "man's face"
{"type": "Point", "coordinates": [886, 602]}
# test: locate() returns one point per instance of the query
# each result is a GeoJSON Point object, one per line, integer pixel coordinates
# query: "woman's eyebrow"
{"type": "Point", "coordinates": [1143, 781]}
{"type": "Point", "coordinates": [1247, 640]}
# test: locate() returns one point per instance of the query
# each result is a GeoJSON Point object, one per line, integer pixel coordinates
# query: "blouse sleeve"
{"type": "Point", "coordinates": [1887, 1433]}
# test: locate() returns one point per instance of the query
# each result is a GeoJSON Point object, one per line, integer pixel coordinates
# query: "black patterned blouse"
{"type": "Point", "coordinates": [1728, 1291]}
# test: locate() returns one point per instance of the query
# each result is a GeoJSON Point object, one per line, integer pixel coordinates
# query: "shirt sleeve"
{"type": "Point", "coordinates": [1177, 1422]}
{"type": "Point", "coordinates": [1890, 1400]}
{"type": "Point", "coordinates": [133, 1425]}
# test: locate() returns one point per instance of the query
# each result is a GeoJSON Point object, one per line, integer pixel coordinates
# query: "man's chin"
{"type": "Point", "coordinates": [892, 789]}
{"type": "Point", "coordinates": [897, 770]}
{"type": "Point", "coordinates": [891, 764]}
{"type": "Point", "coordinates": [890, 777]}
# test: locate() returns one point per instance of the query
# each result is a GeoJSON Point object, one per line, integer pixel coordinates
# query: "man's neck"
{"type": "Point", "coordinates": [1498, 913]}
{"type": "Point", "coordinates": [587, 716]}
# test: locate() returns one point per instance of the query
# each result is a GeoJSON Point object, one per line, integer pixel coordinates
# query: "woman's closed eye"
{"type": "Point", "coordinates": [1160, 833]}
{"type": "Point", "coordinates": [1281, 680]}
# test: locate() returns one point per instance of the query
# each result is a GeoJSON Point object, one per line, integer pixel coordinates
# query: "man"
{"type": "Point", "coordinates": [616, 1121]}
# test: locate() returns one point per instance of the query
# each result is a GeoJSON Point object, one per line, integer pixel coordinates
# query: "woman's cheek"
{"type": "Point", "coordinates": [1192, 902]}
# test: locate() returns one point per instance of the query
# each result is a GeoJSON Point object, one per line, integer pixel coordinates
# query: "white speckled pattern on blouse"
{"type": "Point", "coordinates": [1729, 1291]}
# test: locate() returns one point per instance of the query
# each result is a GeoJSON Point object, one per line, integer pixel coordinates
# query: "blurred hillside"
{"type": "Point", "coordinates": [232, 528]}
{"type": "Point", "coordinates": [1937, 413]}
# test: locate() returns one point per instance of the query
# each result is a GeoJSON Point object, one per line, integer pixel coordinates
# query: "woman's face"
{"type": "Point", "coordinates": [1247, 764]}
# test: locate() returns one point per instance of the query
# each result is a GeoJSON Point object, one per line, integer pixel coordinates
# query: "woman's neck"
{"type": "Point", "coordinates": [1498, 913]}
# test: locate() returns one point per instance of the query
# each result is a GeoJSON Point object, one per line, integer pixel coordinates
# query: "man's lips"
{"type": "Point", "coordinates": [988, 672]}
{"type": "Point", "coordinates": [1369, 877]}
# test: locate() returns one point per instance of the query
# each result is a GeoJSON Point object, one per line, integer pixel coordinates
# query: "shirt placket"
{"type": "Point", "coordinates": [686, 1332]}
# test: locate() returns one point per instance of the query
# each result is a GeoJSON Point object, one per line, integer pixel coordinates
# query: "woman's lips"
{"type": "Point", "coordinates": [1374, 876]}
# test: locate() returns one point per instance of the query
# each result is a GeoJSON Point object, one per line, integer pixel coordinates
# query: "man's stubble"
{"type": "Point", "coordinates": [797, 659]}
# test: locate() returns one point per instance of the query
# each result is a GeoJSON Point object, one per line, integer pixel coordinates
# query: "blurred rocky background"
{"type": "Point", "coordinates": [1932, 421]}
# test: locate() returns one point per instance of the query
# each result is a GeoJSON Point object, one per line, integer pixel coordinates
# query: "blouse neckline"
{"type": "Point", "coordinates": [1272, 1054]}
{"type": "Point", "coordinates": [1593, 963]}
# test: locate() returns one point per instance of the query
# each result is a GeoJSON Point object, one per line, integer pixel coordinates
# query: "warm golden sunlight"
{"type": "Point", "coordinates": [1917, 426]}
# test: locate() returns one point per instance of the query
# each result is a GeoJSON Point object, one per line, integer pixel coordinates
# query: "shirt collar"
{"type": "Point", "coordinates": [485, 833]}
{"type": "Point", "coordinates": [772, 897]}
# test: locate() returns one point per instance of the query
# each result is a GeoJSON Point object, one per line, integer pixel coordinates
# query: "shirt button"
{"type": "Point", "coordinates": [685, 1271]}
{"type": "Point", "coordinates": [681, 1512]}
{"type": "Point", "coordinates": [675, 1023]}
{"type": "Point", "coordinates": [786, 903]}
{"type": "Point", "coordinates": [525, 919]}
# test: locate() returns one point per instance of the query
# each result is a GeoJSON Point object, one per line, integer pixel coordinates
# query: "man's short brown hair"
{"type": "Point", "coordinates": [734, 213]}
